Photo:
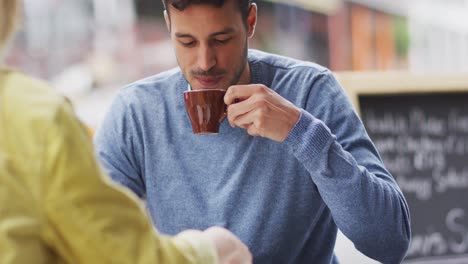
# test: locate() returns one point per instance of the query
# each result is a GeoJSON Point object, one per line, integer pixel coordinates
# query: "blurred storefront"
{"type": "Point", "coordinates": [357, 35]}
{"type": "Point", "coordinates": [54, 35]}
{"type": "Point", "coordinates": [342, 35]}
{"type": "Point", "coordinates": [439, 35]}
{"type": "Point", "coordinates": [91, 48]}
{"type": "Point", "coordinates": [88, 39]}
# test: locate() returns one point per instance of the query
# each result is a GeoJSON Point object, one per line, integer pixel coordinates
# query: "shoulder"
{"type": "Point", "coordinates": [282, 63]}
{"type": "Point", "coordinates": [291, 76]}
{"type": "Point", "coordinates": [30, 109]}
{"type": "Point", "coordinates": [153, 87]}
{"type": "Point", "coordinates": [30, 99]}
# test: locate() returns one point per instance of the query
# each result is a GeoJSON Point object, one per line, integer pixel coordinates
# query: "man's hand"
{"type": "Point", "coordinates": [229, 248]}
{"type": "Point", "coordinates": [261, 111]}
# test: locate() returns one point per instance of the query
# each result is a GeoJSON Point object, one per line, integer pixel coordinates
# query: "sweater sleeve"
{"type": "Point", "coordinates": [367, 205]}
{"type": "Point", "coordinates": [117, 147]}
{"type": "Point", "coordinates": [91, 220]}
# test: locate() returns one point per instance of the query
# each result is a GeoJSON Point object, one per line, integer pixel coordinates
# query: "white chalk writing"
{"type": "Point", "coordinates": [435, 243]}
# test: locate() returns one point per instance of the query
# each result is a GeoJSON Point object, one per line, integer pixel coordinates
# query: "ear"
{"type": "Point", "coordinates": [168, 20]}
{"type": "Point", "coordinates": [252, 19]}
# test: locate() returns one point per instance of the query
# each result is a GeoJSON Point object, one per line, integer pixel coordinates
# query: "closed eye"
{"type": "Point", "coordinates": [222, 41]}
{"type": "Point", "coordinates": [187, 43]}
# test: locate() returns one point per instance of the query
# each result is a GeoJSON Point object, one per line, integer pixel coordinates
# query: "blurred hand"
{"type": "Point", "coordinates": [261, 111]}
{"type": "Point", "coordinates": [229, 248]}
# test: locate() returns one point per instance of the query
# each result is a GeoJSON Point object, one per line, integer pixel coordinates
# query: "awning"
{"type": "Point", "coordinates": [394, 7]}
{"type": "Point", "coordinates": [326, 7]}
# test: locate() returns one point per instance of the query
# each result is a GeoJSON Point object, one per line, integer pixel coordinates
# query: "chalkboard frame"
{"type": "Point", "coordinates": [394, 83]}
{"type": "Point", "coordinates": [361, 84]}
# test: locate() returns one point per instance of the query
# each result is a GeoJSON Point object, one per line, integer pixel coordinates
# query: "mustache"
{"type": "Point", "coordinates": [210, 73]}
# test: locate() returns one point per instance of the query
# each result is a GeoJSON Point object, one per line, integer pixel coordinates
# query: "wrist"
{"type": "Point", "coordinates": [292, 117]}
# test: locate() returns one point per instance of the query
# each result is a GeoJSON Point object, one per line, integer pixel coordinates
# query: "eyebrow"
{"type": "Point", "coordinates": [225, 31]}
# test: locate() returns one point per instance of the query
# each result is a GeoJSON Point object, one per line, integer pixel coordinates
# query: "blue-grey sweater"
{"type": "Point", "coordinates": [284, 200]}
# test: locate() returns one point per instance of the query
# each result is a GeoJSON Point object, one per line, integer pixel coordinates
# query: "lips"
{"type": "Point", "coordinates": [209, 82]}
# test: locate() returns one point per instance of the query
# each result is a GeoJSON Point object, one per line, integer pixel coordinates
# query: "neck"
{"type": "Point", "coordinates": [246, 77]}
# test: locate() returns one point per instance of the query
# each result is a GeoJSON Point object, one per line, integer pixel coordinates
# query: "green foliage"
{"type": "Point", "coordinates": [402, 37]}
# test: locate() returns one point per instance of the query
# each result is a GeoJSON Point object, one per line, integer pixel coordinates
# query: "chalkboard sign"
{"type": "Point", "coordinates": [419, 124]}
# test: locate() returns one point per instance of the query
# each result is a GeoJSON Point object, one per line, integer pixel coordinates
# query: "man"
{"type": "Point", "coordinates": [291, 163]}
{"type": "Point", "coordinates": [55, 204]}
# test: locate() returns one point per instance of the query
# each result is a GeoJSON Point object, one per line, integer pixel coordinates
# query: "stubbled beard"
{"type": "Point", "coordinates": [243, 59]}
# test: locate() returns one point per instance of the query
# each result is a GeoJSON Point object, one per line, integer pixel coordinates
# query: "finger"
{"type": "Point", "coordinates": [240, 92]}
{"type": "Point", "coordinates": [254, 131]}
{"type": "Point", "coordinates": [241, 108]}
{"type": "Point", "coordinates": [258, 112]}
{"type": "Point", "coordinates": [244, 120]}
{"type": "Point", "coordinates": [253, 122]}
{"type": "Point", "coordinates": [246, 126]}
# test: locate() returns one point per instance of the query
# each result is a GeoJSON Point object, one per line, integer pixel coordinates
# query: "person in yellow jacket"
{"type": "Point", "coordinates": [56, 206]}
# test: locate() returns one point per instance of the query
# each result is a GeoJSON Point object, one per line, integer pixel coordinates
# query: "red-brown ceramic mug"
{"type": "Point", "coordinates": [206, 110]}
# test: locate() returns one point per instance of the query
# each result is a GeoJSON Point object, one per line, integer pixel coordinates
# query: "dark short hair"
{"type": "Point", "coordinates": [244, 5]}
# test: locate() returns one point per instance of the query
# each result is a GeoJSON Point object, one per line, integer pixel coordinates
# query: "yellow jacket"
{"type": "Point", "coordinates": [55, 204]}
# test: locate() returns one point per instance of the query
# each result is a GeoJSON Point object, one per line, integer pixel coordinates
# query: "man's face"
{"type": "Point", "coordinates": [210, 44]}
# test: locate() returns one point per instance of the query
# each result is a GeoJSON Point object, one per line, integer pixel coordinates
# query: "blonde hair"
{"type": "Point", "coordinates": [9, 16]}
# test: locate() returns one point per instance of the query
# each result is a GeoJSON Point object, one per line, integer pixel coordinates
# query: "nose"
{"type": "Point", "coordinates": [206, 58]}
